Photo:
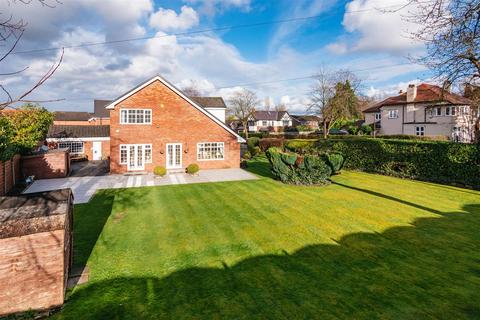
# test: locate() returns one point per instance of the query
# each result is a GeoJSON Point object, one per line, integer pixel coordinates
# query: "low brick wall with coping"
{"type": "Point", "coordinates": [53, 163]}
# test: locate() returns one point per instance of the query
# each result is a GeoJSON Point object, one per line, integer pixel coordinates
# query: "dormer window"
{"type": "Point", "coordinates": [135, 116]}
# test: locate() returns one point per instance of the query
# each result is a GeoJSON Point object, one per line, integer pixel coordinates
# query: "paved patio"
{"type": "Point", "coordinates": [85, 187]}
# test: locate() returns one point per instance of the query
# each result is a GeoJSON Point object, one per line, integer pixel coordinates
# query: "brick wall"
{"type": "Point", "coordinates": [174, 120]}
{"type": "Point", "coordinates": [32, 272]}
{"type": "Point", "coordinates": [9, 174]}
{"type": "Point", "coordinates": [53, 164]}
{"type": "Point", "coordinates": [88, 149]}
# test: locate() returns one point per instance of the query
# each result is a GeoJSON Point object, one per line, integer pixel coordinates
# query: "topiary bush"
{"type": "Point", "coordinates": [193, 168]}
{"type": "Point", "coordinates": [159, 171]}
{"type": "Point", "coordinates": [247, 155]}
{"type": "Point", "coordinates": [335, 161]}
{"type": "Point", "coordinates": [256, 150]}
{"type": "Point", "coordinates": [293, 169]}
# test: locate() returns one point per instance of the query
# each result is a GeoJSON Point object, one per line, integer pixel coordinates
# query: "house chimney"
{"type": "Point", "coordinates": [411, 92]}
{"type": "Point", "coordinates": [447, 85]}
{"type": "Point", "coordinates": [400, 92]}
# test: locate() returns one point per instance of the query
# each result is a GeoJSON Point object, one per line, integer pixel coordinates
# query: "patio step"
{"type": "Point", "coordinates": [135, 173]}
{"type": "Point", "coordinates": [180, 170]}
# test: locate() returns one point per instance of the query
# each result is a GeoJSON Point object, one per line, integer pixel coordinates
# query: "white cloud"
{"type": "Point", "coordinates": [377, 28]}
{"type": "Point", "coordinates": [167, 19]}
{"type": "Point", "coordinates": [212, 7]}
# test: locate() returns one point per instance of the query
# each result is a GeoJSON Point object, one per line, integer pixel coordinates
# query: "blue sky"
{"type": "Point", "coordinates": [365, 36]}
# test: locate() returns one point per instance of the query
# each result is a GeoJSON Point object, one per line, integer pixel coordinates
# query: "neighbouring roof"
{"type": "Point", "coordinates": [99, 110]}
{"type": "Point", "coordinates": [269, 115]}
{"type": "Point", "coordinates": [73, 131]}
{"type": "Point", "coordinates": [34, 213]}
{"type": "Point", "coordinates": [210, 102]}
{"type": "Point", "coordinates": [71, 116]}
{"type": "Point", "coordinates": [425, 93]}
{"type": "Point", "coordinates": [306, 117]}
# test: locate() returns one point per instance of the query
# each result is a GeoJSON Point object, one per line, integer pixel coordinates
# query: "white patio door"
{"type": "Point", "coordinates": [135, 157]}
{"type": "Point", "coordinates": [174, 155]}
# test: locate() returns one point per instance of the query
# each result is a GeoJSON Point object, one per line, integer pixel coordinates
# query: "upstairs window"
{"type": "Point", "coordinates": [378, 116]}
{"type": "Point", "coordinates": [393, 114]}
{"type": "Point", "coordinates": [135, 116]}
{"type": "Point", "coordinates": [450, 111]}
{"type": "Point", "coordinates": [264, 123]}
{"type": "Point", "coordinates": [286, 123]}
{"type": "Point", "coordinates": [437, 111]}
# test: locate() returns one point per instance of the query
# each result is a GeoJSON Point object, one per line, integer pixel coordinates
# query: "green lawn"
{"type": "Point", "coordinates": [364, 247]}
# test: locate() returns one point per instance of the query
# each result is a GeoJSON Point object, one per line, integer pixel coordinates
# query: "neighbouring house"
{"type": "Point", "coordinates": [156, 124]}
{"type": "Point", "coordinates": [269, 121]}
{"type": "Point", "coordinates": [310, 121]}
{"type": "Point", "coordinates": [99, 116]}
{"type": "Point", "coordinates": [424, 110]}
{"type": "Point", "coordinates": [89, 142]}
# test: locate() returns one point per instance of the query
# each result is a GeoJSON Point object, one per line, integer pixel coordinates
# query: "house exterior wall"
{"type": "Point", "coordinates": [174, 120]}
{"type": "Point", "coordinates": [32, 272]}
{"type": "Point", "coordinates": [88, 149]}
{"type": "Point", "coordinates": [219, 113]}
{"type": "Point", "coordinates": [391, 126]}
{"type": "Point", "coordinates": [369, 117]}
{"type": "Point", "coordinates": [271, 125]}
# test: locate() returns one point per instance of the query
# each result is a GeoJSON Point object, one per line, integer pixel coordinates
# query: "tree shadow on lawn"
{"type": "Point", "coordinates": [260, 165]}
{"type": "Point", "coordinates": [430, 270]}
{"type": "Point", "coordinates": [88, 227]}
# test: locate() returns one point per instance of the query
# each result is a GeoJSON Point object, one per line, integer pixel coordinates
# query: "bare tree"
{"type": "Point", "coordinates": [242, 105]}
{"type": "Point", "coordinates": [333, 96]}
{"type": "Point", "coordinates": [280, 107]}
{"type": "Point", "coordinates": [192, 89]}
{"type": "Point", "coordinates": [11, 31]}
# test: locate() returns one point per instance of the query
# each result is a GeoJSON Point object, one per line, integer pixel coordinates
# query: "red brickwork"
{"type": "Point", "coordinates": [54, 164]}
{"type": "Point", "coordinates": [9, 174]}
{"type": "Point", "coordinates": [32, 272]}
{"type": "Point", "coordinates": [174, 120]}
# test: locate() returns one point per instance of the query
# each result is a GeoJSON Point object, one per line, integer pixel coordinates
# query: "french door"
{"type": "Point", "coordinates": [174, 155]}
{"type": "Point", "coordinates": [135, 157]}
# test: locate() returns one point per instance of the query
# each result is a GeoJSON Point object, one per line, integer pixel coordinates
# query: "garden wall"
{"type": "Point", "coordinates": [54, 163]}
{"type": "Point", "coordinates": [436, 161]}
{"type": "Point", "coordinates": [9, 174]}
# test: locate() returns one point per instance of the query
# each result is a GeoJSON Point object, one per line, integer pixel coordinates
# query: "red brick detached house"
{"type": "Point", "coordinates": [155, 124]}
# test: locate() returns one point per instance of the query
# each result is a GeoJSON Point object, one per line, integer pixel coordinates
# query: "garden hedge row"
{"type": "Point", "coordinates": [436, 161]}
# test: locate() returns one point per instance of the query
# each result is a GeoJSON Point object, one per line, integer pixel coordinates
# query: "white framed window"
{"type": "Point", "coordinates": [393, 114]}
{"type": "Point", "coordinates": [148, 153]}
{"type": "Point", "coordinates": [135, 116]}
{"type": "Point", "coordinates": [463, 110]}
{"type": "Point", "coordinates": [144, 149]}
{"type": "Point", "coordinates": [378, 116]}
{"type": "Point", "coordinates": [210, 151]}
{"type": "Point", "coordinates": [264, 123]}
{"type": "Point", "coordinates": [420, 131]}
{"type": "Point", "coordinates": [286, 123]}
{"type": "Point", "coordinates": [450, 111]}
{"type": "Point", "coordinates": [76, 147]}
{"type": "Point", "coordinates": [123, 154]}
{"type": "Point", "coordinates": [437, 111]}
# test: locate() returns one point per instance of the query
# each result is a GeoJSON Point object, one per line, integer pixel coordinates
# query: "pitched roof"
{"type": "Point", "coordinates": [99, 110]}
{"type": "Point", "coordinates": [269, 115]}
{"type": "Point", "coordinates": [73, 131]}
{"type": "Point", "coordinates": [112, 104]}
{"type": "Point", "coordinates": [71, 116]}
{"type": "Point", "coordinates": [210, 102]}
{"type": "Point", "coordinates": [425, 93]}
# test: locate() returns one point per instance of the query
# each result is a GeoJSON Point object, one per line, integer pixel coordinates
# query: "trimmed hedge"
{"type": "Point", "coordinates": [435, 161]}
{"type": "Point", "coordinates": [193, 168]}
{"type": "Point", "coordinates": [267, 143]}
{"type": "Point", "coordinates": [294, 169]}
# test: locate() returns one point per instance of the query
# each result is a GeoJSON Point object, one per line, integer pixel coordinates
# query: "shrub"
{"type": "Point", "coordinates": [256, 150]}
{"type": "Point", "coordinates": [193, 168]}
{"type": "Point", "coordinates": [335, 161]}
{"type": "Point", "coordinates": [300, 146]}
{"type": "Point", "coordinates": [304, 128]}
{"type": "Point", "coordinates": [294, 169]}
{"type": "Point", "coordinates": [252, 142]}
{"type": "Point", "coordinates": [267, 143]}
{"type": "Point", "coordinates": [159, 171]}
{"type": "Point", "coordinates": [436, 161]}
{"type": "Point", "coordinates": [247, 155]}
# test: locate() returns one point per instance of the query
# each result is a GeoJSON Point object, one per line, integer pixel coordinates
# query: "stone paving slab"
{"type": "Point", "coordinates": [85, 187]}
